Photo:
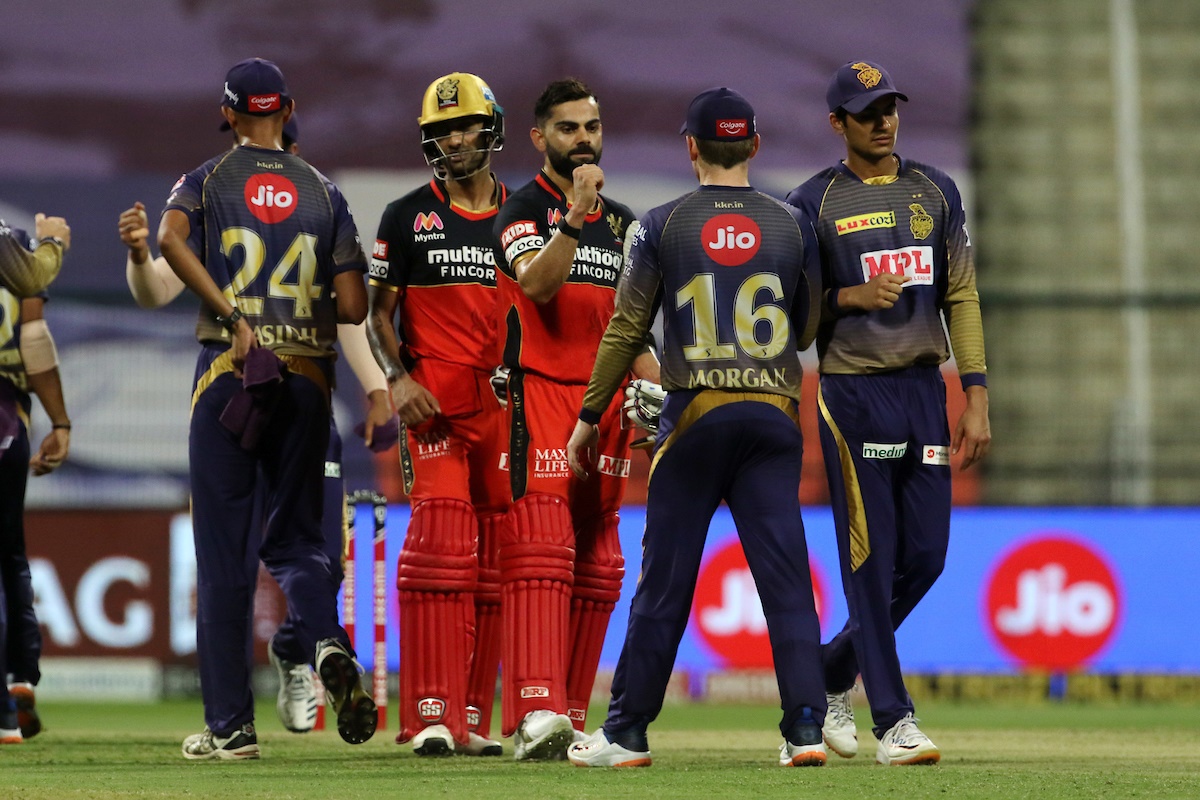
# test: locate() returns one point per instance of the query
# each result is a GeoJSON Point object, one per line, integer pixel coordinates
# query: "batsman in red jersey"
{"type": "Point", "coordinates": [561, 566]}
{"type": "Point", "coordinates": [434, 266]}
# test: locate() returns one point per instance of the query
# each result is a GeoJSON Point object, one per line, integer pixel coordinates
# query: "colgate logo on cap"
{"type": "Point", "coordinates": [732, 128]}
{"type": "Point", "coordinates": [264, 102]}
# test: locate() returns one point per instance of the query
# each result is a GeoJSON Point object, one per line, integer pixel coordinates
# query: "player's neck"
{"type": "Point", "coordinates": [711, 175]}
{"type": "Point", "coordinates": [565, 185]}
{"type": "Point", "coordinates": [476, 193]}
{"type": "Point", "coordinates": [866, 168]}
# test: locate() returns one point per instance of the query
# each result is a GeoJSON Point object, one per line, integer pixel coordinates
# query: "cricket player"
{"type": "Point", "coordinates": [270, 248]}
{"type": "Point", "coordinates": [27, 266]}
{"type": "Point", "coordinates": [28, 363]}
{"type": "Point", "coordinates": [898, 263]}
{"type": "Point", "coordinates": [434, 331]}
{"type": "Point", "coordinates": [737, 275]}
{"type": "Point", "coordinates": [561, 250]}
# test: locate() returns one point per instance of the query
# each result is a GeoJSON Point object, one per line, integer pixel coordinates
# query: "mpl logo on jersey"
{"type": "Point", "coordinates": [270, 198]}
{"type": "Point", "coordinates": [727, 610]}
{"type": "Point", "coordinates": [730, 239]}
{"type": "Point", "coordinates": [915, 262]}
{"type": "Point", "coordinates": [1053, 603]}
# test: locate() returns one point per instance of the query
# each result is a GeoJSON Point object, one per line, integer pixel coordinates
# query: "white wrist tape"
{"type": "Point", "coordinates": [37, 347]}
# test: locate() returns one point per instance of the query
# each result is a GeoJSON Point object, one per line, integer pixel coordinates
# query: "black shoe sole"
{"type": "Point", "coordinates": [357, 715]}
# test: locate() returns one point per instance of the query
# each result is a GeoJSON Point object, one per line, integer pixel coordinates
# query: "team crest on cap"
{"type": "Point", "coordinates": [868, 76]}
{"type": "Point", "coordinates": [447, 92]}
{"type": "Point", "coordinates": [920, 223]}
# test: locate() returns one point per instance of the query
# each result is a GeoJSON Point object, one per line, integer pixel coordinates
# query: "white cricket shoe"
{"type": "Point", "coordinates": [542, 736]}
{"type": "Point", "coordinates": [297, 699]}
{"type": "Point", "coordinates": [433, 741]}
{"type": "Point", "coordinates": [904, 744]}
{"type": "Point", "coordinates": [807, 751]}
{"type": "Point", "coordinates": [597, 751]}
{"type": "Point", "coordinates": [839, 731]}
{"type": "Point", "coordinates": [480, 746]}
{"type": "Point", "coordinates": [240, 745]}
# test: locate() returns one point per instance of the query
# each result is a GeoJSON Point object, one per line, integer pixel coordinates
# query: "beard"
{"type": "Point", "coordinates": [471, 162]}
{"type": "Point", "coordinates": [564, 163]}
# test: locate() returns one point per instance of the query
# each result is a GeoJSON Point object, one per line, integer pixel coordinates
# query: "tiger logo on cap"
{"type": "Point", "coordinates": [868, 76]}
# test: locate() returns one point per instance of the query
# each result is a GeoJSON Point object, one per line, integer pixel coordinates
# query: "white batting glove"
{"type": "Point", "coordinates": [643, 403]}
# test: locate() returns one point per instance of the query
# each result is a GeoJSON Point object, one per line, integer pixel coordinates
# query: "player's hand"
{"type": "Point", "coordinates": [414, 403]}
{"type": "Point", "coordinates": [57, 227]}
{"type": "Point", "coordinates": [643, 403]}
{"type": "Point", "coordinates": [134, 229]}
{"type": "Point", "coordinates": [379, 411]}
{"type": "Point", "coordinates": [588, 180]}
{"type": "Point", "coordinates": [52, 453]}
{"type": "Point", "coordinates": [499, 382]}
{"type": "Point", "coordinates": [882, 291]}
{"type": "Point", "coordinates": [581, 449]}
{"type": "Point", "coordinates": [973, 433]}
{"type": "Point", "coordinates": [242, 342]}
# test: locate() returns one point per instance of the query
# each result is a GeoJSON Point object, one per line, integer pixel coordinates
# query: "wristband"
{"type": "Point", "coordinates": [66, 426]}
{"type": "Point", "coordinates": [228, 322]}
{"type": "Point", "coordinates": [569, 230]}
{"type": "Point", "coordinates": [51, 239]}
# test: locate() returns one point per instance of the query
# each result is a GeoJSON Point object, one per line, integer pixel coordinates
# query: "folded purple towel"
{"type": "Point", "coordinates": [248, 412]}
{"type": "Point", "coordinates": [383, 437]}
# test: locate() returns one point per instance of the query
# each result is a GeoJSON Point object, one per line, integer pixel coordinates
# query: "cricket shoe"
{"type": "Point", "coordinates": [297, 700]}
{"type": "Point", "coordinates": [434, 740]}
{"type": "Point", "coordinates": [598, 750]}
{"type": "Point", "coordinates": [240, 745]}
{"type": "Point", "coordinates": [357, 715]}
{"type": "Point", "coordinates": [480, 746]}
{"type": "Point", "coordinates": [542, 736]}
{"type": "Point", "coordinates": [27, 716]}
{"type": "Point", "coordinates": [10, 731]}
{"type": "Point", "coordinates": [904, 744]}
{"type": "Point", "coordinates": [839, 731]}
{"type": "Point", "coordinates": [803, 746]}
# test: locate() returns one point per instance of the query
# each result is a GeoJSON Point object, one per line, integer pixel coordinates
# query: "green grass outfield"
{"type": "Point", "coordinates": [700, 751]}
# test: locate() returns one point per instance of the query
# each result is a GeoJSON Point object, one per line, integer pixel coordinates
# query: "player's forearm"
{"type": "Point", "coordinates": [48, 388]}
{"type": "Point", "coordinates": [151, 282]}
{"type": "Point", "coordinates": [358, 354]}
{"type": "Point", "coordinates": [646, 366]}
{"type": "Point", "coordinates": [26, 273]}
{"type": "Point", "coordinates": [172, 243]}
{"type": "Point", "coordinates": [621, 345]}
{"type": "Point", "coordinates": [543, 274]}
{"type": "Point", "coordinates": [384, 345]}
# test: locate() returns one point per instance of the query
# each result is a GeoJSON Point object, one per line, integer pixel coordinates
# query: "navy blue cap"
{"type": "Point", "coordinates": [721, 115]}
{"type": "Point", "coordinates": [857, 84]}
{"type": "Point", "coordinates": [255, 86]}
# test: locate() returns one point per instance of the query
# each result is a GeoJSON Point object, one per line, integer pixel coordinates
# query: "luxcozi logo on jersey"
{"type": "Point", "coordinates": [270, 198]}
{"type": "Point", "coordinates": [730, 239]}
{"type": "Point", "coordinates": [431, 709]}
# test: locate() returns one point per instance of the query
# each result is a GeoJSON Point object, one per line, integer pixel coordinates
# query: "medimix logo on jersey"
{"type": "Point", "coordinates": [1052, 603]}
{"type": "Point", "coordinates": [270, 198]}
{"type": "Point", "coordinates": [730, 239]}
{"type": "Point", "coordinates": [873, 450]}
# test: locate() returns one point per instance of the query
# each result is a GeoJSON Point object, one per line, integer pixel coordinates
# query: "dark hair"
{"type": "Point", "coordinates": [557, 93]}
{"type": "Point", "coordinates": [841, 114]}
{"type": "Point", "coordinates": [725, 154]}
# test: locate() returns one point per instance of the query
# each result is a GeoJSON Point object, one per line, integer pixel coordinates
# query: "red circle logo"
{"type": "Point", "coordinates": [270, 198]}
{"type": "Point", "coordinates": [730, 239]}
{"type": "Point", "coordinates": [728, 612]}
{"type": "Point", "coordinates": [1053, 603]}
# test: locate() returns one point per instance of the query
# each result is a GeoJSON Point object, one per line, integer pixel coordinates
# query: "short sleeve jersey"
{"type": "Point", "coordinates": [272, 232]}
{"type": "Point", "coordinates": [558, 340]}
{"type": "Point", "coordinates": [913, 226]}
{"type": "Point", "coordinates": [441, 259]}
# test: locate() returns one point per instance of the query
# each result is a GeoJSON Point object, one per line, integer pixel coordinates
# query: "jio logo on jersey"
{"type": "Point", "coordinates": [1053, 603]}
{"type": "Point", "coordinates": [730, 239]}
{"type": "Point", "coordinates": [270, 198]}
{"type": "Point", "coordinates": [728, 612]}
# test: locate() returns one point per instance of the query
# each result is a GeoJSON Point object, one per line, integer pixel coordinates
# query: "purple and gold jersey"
{"type": "Point", "coordinates": [441, 259]}
{"type": "Point", "coordinates": [912, 225]}
{"type": "Point", "coordinates": [738, 277]}
{"type": "Point", "coordinates": [558, 340]}
{"type": "Point", "coordinates": [272, 232]}
{"type": "Point", "coordinates": [26, 265]}
{"type": "Point", "coordinates": [12, 368]}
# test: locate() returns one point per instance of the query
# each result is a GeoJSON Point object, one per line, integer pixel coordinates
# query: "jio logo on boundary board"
{"type": "Point", "coordinates": [270, 198]}
{"type": "Point", "coordinates": [730, 239]}
{"type": "Point", "coordinates": [727, 611]}
{"type": "Point", "coordinates": [1052, 603]}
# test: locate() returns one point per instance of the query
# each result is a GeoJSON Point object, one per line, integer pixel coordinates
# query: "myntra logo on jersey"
{"type": "Point", "coordinates": [914, 262]}
{"type": "Point", "coordinates": [427, 222]}
{"type": "Point", "coordinates": [1053, 603]}
{"type": "Point", "coordinates": [270, 198]}
{"type": "Point", "coordinates": [730, 239]}
{"type": "Point", "coordinates": [728, 611]}
{"type": "Point", "coordinates": [865, 222]}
